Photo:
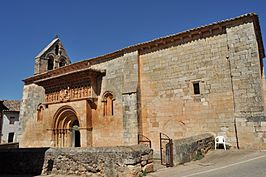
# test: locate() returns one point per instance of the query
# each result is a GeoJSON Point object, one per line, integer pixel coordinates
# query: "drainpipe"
{"type": "Point", "coordinates": [139, 111]}
{"type": "Point", "coordinates": [231, 79]}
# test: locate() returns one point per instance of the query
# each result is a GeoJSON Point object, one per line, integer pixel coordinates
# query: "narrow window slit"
{"type": "Point", "coordinates": [196, 88]}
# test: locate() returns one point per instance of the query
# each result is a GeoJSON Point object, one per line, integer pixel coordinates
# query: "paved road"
{"type": "Point", "coordinates": [220, 163]}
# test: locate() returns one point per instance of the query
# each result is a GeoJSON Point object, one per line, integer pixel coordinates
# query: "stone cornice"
{"type": "Point", "coordinates": [82, 77]}
{"type": "Point", "coordinates": [61, 72]}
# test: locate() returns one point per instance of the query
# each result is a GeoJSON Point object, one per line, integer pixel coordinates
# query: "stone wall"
{"type": "Point", "coordinates": [169, 104]}
{"type": "Point", "coordinates": [121, 80]}
{"type": "Point", "coordinates": [129, 98]}
{"type": "Point", "coordinates": [186, 149]}
{"type": "Point", "coordinates": [153, 89]}
{"type": "Point", "coordinates": [130, 118]}
{"type": "Point", "coordinates": [248, 82]}
{"type": "Point", "coordinates": [33, 95]}
{"type": "Point", "coordinates": [243, 55]}
{"type": "Point", "coordinates": [227, 68]}
{"type": "Point", "coordinates": [128, 161]}
{"type": "Point", "coordinates": [41, 134]}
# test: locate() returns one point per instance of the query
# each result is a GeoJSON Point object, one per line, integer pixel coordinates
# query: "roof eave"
{"type": "Point", "coordinates": [47, 47]}
{"type": "Point", "coordinates": [251, 17]}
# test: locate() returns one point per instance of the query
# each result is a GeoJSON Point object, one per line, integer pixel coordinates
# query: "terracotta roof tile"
{"type": "Point", "coordinates": [12, 105]}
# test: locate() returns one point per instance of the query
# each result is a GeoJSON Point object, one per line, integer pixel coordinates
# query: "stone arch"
{"type": "Point", "coordinates": [65, 127]}
{"type": "Point", "coordinates": [63, 114]}
{"type": "Point", "coordinates": [50, 61]}
{"type": "Point", "coordinates": [56, 49]}
{"type": "Point", "coordinates": [107, 100]}
{"type": "Point", "coordinates": [174, 128]}
{"type": "Point", "coordinates": [40, 110]}
{"type": "Point", "coordinates": [62, 61]}
{"type": "Point", "coordinates": [108, 93]}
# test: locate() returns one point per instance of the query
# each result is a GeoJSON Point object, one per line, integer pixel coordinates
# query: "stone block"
{"type": "Point", "coordinates": [107, 161]}
{"type": "Point", "coordinates": [148, 168]}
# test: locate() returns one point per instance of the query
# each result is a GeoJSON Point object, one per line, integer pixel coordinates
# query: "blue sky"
{"type": "Point", "coordinates": [91, 28]}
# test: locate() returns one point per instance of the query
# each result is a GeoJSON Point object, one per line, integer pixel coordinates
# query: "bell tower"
{"type": "Point", "coordinates": [51, 57]}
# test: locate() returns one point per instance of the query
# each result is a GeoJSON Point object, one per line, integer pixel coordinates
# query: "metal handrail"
{"type": "Point", "coordinates": [140, 139]}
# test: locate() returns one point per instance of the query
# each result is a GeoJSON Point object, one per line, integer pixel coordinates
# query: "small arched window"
{"type": "Point", "coordinates": [62, 62]}
{"type": "Point", "coordinates": [108, 109]}
{"type": "Point", "coordinates": [50, 63]}
{"type": "Point", "coordinates": [40, 113]}
{"type": "Point", "coordinates": [57, 49]}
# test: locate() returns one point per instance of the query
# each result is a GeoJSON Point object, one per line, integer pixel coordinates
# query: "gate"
{"type": "Point", "coordinates": [144, 140]}
{"type": "Point", "coordinates": [166, 150]}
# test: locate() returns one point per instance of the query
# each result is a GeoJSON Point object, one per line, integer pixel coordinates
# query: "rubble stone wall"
{"type": "Point", "coordinates": [186, 149]}
{"type": "Point", "coordinates": [130, 161]}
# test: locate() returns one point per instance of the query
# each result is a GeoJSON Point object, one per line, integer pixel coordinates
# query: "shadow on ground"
{"type": "Point", "coordinates": [22, 162]}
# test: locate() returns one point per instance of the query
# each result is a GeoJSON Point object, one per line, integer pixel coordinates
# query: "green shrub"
{"type": "Point", "coordinates": [199, 155]}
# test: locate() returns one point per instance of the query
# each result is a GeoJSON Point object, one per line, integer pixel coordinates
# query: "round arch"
{"type": "Point", "coordinates": [106, 93]}
{"type": "Point", "coordinates": [65, 127]}
{"type": "Point", "coordinates": [63, 116]}
{"type": "Point", "coordinates": [50, 61]}
{"type": "Point", "coordinates": [62, 61]}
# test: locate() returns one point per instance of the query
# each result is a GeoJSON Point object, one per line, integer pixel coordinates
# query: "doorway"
{"type": "Point", "coordinates": [75, 134]}
{"type": "Point", "coordinates": [66, 131]}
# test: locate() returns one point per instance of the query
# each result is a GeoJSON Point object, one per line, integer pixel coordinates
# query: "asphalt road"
{"type": "Point", "coordinates": [220, 164]}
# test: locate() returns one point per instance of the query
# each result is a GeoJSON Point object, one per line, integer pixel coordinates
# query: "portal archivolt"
{"type": "Point", "coordinates": [66, 128]}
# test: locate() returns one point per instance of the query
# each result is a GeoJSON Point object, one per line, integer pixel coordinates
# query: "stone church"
{"type": "Point", "coordinates": [206, 79]}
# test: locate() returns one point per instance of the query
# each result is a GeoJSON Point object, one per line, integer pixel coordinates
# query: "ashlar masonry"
{"type": "Point", "coordinates": [208, 79]}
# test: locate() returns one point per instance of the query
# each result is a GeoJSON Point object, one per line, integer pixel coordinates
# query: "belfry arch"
{"type": "Point", "coordinates": [66, 128]}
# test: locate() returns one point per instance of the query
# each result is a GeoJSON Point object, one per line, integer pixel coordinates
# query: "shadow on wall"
{"type": "Point", "coordinates": [23, 162]}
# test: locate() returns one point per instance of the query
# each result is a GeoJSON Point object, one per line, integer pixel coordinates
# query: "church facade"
{"type": "Point", "coordinates": [207, 79]}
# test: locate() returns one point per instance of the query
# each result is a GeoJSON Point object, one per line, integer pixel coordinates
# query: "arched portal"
{"type": "Point", "coordinates": [66, 128]}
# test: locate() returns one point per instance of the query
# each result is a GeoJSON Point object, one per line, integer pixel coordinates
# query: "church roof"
{"type": "Point", "coordinates": [47, 47]}
{"type": "Point", "coordinates": [178, 38]}
{"type": "Point", "coordinates": [224, 23]}
{"type": "Point", "coordinates": [249, 17]}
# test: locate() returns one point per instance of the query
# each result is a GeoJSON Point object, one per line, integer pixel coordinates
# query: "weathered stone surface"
{"type": "Point", "coordinates": [105, 161]}
{"type": "Point", "coordinates": [186, 149]}
{"type": "Point", "coordinates": [202, 80]}
{"type": "Point", "coordinates": [148, 168]}
{"type": "Point", "coordinates": [33, 95]}
{"type": "Point", "coordinates": [109, 161]}
{"type": "Point", "coordinates": [228, 70]}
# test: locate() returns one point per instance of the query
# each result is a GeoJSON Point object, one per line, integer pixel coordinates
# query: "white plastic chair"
{"type": "Point", "coordinates": [220, 140]}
